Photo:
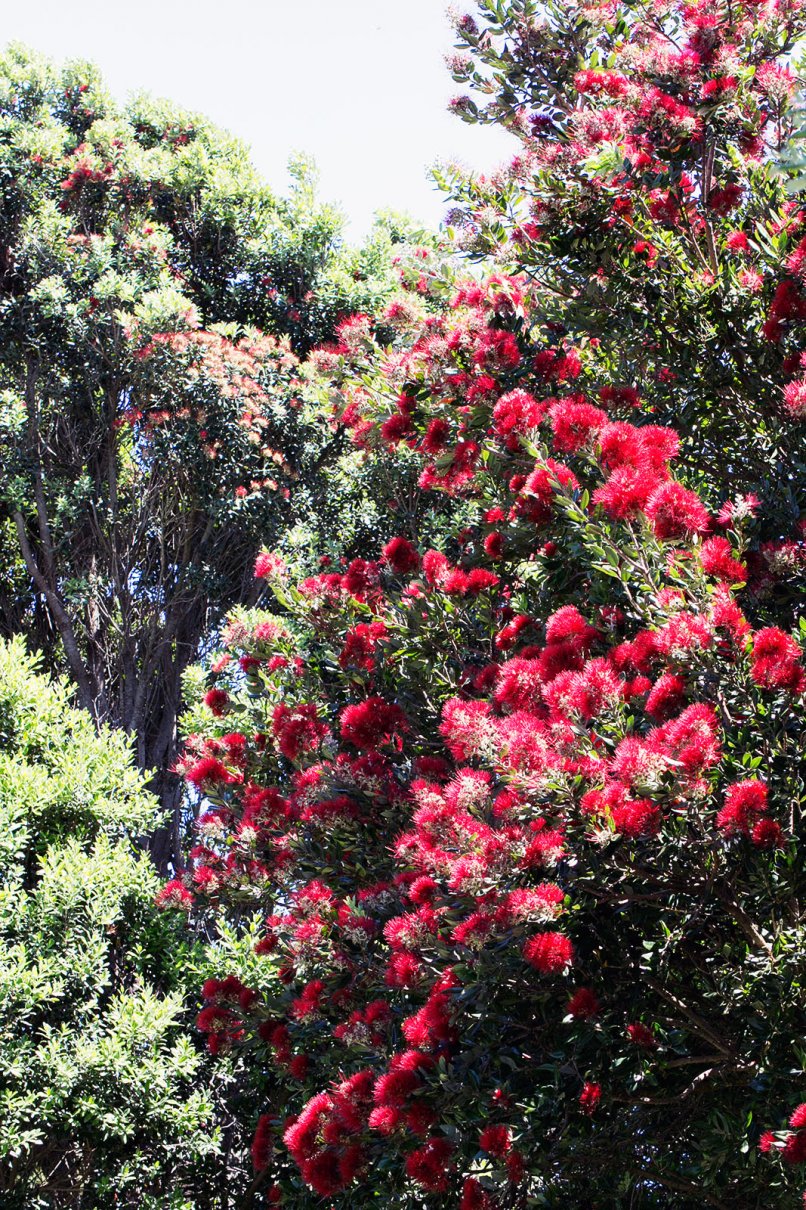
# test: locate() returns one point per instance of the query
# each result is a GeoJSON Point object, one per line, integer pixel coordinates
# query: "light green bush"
{"type": "Point", "coordinates": [103, 1095]}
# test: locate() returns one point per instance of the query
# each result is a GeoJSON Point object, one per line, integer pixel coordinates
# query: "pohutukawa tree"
{"type": "Point", "coordinates": [524, 814]}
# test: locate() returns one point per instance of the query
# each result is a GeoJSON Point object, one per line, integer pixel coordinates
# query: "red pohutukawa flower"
{"type": "Point", "coordinates": [401, 556]}
{"type": "Point", "coordinates": [176, 895]}
{"type": "Point", "coordinates": [429, 1165]}
{"type": "Point", "coordinates": [642, 1036]}
{"type": "Point", "coordinates": [496, 1140]}
{"type": "Point", "coordinates": [716, 556]}
{"type": "Point", "coordinates": [676, 512]}
{"type": "Point", "coordinates": [268, 564]}
{"type": "Point", "coordinates": [216, 700]}
{"type": "Point", "coordinates": [583, 1004]}
{"type": "Point", "coordinates": [744, 803]}
{"type": "Point", "coordinates": [262, 1143]}
{"type": "Point", "coordinates": [372, 723]}
{"type": "Point", "coordinates": [776, 661]}
{"type": "Point", "coordinates": [550, 953]}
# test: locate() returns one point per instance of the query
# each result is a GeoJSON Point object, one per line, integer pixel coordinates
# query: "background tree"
{"type": "Point", "coordinates": [145, 444]}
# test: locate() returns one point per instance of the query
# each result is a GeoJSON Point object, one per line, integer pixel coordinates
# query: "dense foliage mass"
{"type": "Point", "coordinates": [154, 298]}
{"type": "Point", "coordinates": [525, 813]}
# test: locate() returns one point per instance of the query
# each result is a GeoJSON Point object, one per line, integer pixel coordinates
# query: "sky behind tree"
{"type": "Point", "coordinates": [361, 86]}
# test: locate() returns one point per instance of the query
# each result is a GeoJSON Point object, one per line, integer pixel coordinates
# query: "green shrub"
{"type": "Point", "coordinates": [102, 1091]}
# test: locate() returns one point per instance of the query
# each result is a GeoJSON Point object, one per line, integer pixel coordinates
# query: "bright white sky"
{"type": "Point", "coordinates": [360, 85]}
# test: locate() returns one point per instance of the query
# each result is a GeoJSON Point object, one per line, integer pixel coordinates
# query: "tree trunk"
{"type": "Point", "coordinates": [165, 844]}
